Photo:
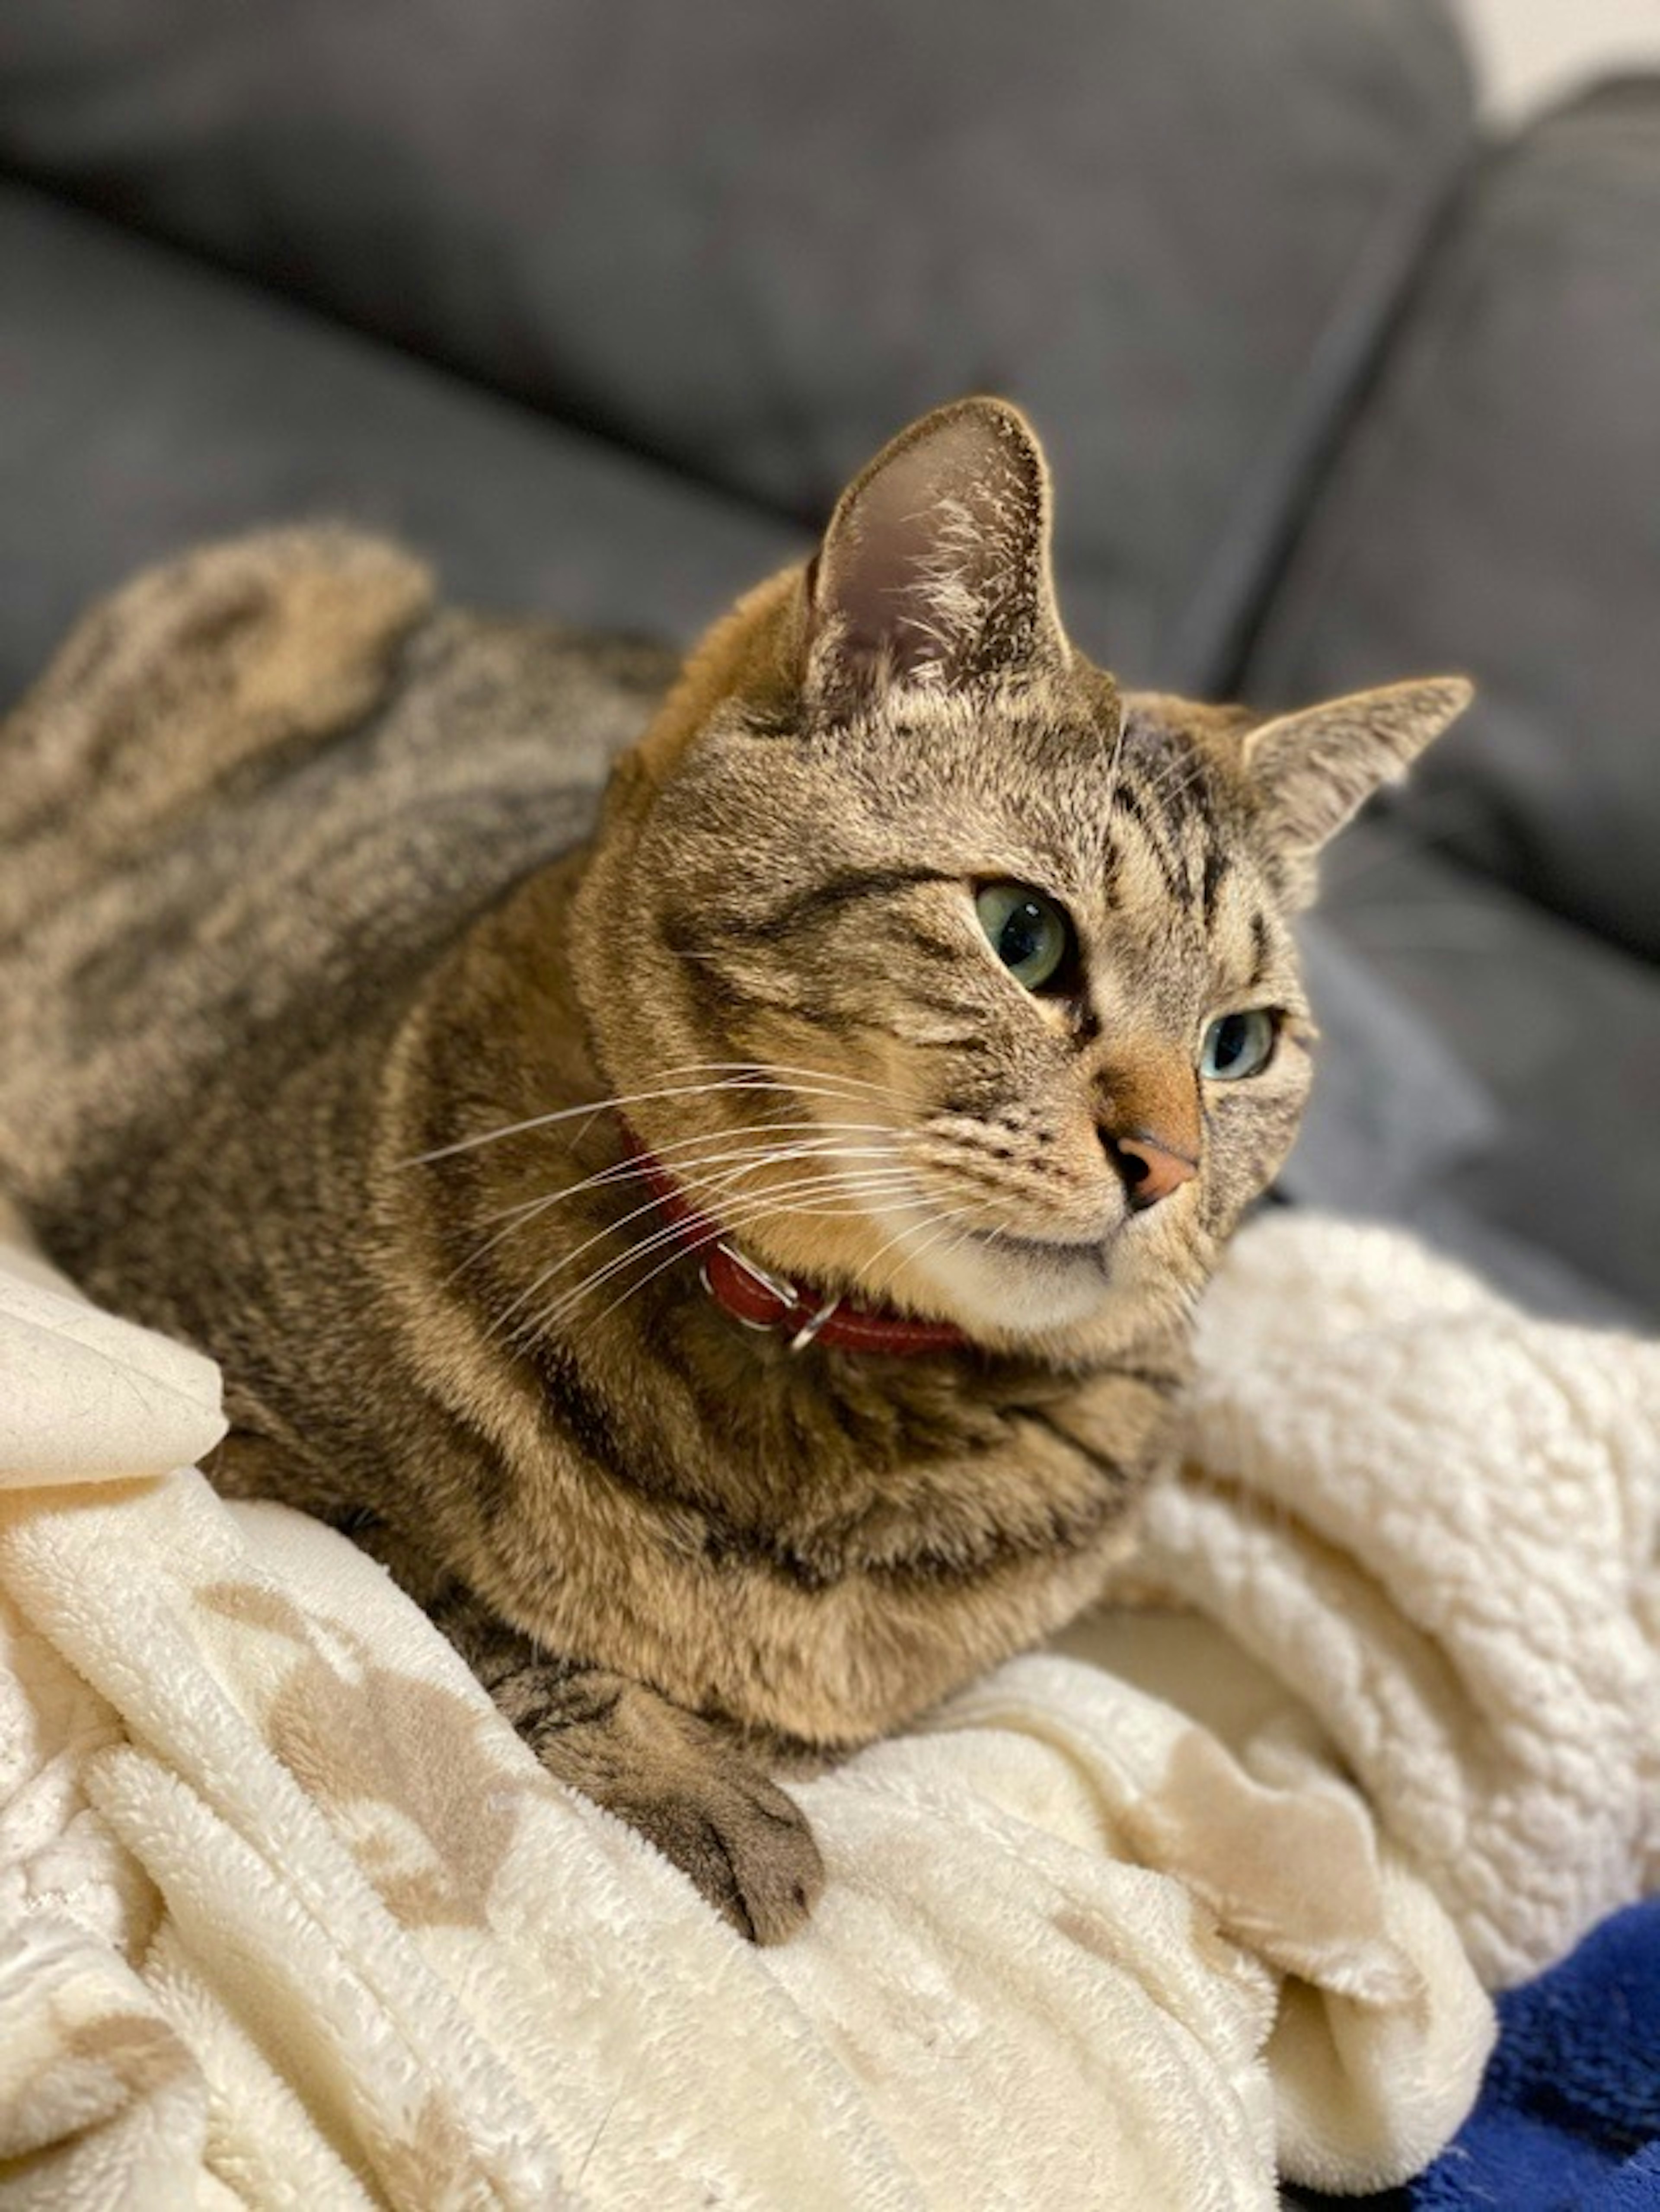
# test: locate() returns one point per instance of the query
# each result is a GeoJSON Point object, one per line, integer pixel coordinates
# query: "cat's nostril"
{"type": "Point", "coordinates": [1149, 1171]}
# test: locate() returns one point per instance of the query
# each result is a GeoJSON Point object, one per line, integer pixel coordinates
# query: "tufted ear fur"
{"type": "Point", "coordinates": [1309, 771]}
{"type": "Point", "coordinates": [935, 568]}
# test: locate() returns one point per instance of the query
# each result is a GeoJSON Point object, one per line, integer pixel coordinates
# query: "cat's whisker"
{"type": "Point", "coordinates": [745, 1077]}
{"type": "Point", "coordinates": [835, 1193]}
{"type": "Point", "coordinates": [1181, 770]}
{"type": "Point", "coordinates": [1115, 765]}
{"type": "Point", "coordinates": [742, 1079]}
{"type": "Point", "coordinates": [684, 1240]}
{"type": "Point", "coordinates": [570, 1259]}
{"type": "Point", "coordinates": [740, 1076]}
{"type": "Point", "coordinates": [784, 1155]}
{"type": "Point", "coordinates": [937, 1223]}
{"type": "Point", "coordinates": [958, 1242]}
{"type": "Point", "coordinates": [849, 1209]}
{"type": "Point", "coordinates": [804, 1083]}
{"type": "Point", "coordinates": [589, 1107]}
{"type": "Point", "coordinates": [953, 1243]}
{"type": "Point", "coordinates": [747, 1207]}
{"type": "Point", "coordinates": [742, 1068]}
{"type": "Point", "coordinates": [983, 1203]}
{"type": "Point", "coordinates": [747, 1163]}
{"type": "Point", "coordinates": [861, 1190]}
{"type": "Point", "coordinates": [730, 1084]}
{"type": "Point", "coordinates": [565, 1315]}
{"type": "Point", "coordinates": [1155, 783]}
{"type": "Point", "coordinates": [627, 1169]}
{"type": "Point", "coordinates": [531, 1210]}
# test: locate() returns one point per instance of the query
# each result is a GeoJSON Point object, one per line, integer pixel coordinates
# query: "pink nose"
{"type": "Point", "coordinates": [1150, 1170]}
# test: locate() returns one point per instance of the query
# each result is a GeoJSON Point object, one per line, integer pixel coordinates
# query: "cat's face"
{"type": "Point", "coordinates": [1014, 936]}
{"type": "Point", "coordinates": [970, 981]}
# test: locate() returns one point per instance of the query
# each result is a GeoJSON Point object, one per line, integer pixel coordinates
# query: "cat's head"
{"type": "Point", "coordinates": [990, 964]}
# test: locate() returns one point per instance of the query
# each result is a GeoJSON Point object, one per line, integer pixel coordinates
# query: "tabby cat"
{"type": "Point", "coordinates": [735, 1271]}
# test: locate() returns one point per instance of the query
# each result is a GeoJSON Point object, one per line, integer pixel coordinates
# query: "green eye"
{"type": "Point", "coordinates": [1237, 1045]}
{"type": "Point", "coordinates": [1028, 932]}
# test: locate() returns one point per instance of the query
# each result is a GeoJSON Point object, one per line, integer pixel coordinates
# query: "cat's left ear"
{"type": "Point", "coordinates": [934, 570]}
{"type": "Point", "coordinates": [1309, 772]}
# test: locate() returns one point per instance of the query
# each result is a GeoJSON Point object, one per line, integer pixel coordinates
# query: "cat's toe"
{"type": "Point", "coordinates": [747, 1847]}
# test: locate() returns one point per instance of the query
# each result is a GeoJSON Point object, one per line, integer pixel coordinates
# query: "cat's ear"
{"type": "Point", "coordinates": [935, 568]}
{"type": "Point", "coordinates": [1309, 771]}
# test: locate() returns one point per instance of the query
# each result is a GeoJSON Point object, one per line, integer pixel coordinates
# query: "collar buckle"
{"type": "Point", "coordinates": [810, 1329]}
{"type": "Point", "coordinates": [752, 1295]}
{"type": "Point", "coordinates": [784, 1294]}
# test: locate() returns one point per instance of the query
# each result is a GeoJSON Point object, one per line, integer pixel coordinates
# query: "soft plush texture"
{"type": "Point", "coordinates": [288, 1914]}
{"type": "Point", "coordinates": [1569, 2110]}
{"type": "Point", "coordinates": [1456, 451]}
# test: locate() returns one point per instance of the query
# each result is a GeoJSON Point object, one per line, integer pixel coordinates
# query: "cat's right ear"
{"type": "Point", "coordinates": [934, 571]}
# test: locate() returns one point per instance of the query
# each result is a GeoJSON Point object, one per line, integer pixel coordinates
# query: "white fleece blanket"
{"type": "Point", "coordinates": [289, 1917]}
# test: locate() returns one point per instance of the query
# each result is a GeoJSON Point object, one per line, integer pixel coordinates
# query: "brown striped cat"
{"type": "Point", "coordinates": [733, 1263]}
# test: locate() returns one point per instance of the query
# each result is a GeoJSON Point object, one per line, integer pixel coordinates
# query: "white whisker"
{"type": "Point", "coordinates": [938, 1223]}
{"type": "Point", "coordinates": [747, 1163]}
{"type": "Point", "coordinates": [737, 1078]}
{"type": "Point", "coordinates": [529, 1210]}
{"type": "Point", "coordinates": [590, 1107]}
{"type": "Point", "coordinates": [759, 1206]}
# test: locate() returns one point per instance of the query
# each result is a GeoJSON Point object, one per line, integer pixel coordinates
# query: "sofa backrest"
{"type": "Point", "coordinates": [1496, 508]}
{"type": "Point", "coordinates": [754, 240]}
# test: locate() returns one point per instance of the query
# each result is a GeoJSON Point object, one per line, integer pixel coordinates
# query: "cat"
{"type": "Point", "coordinates": [734, 1260]}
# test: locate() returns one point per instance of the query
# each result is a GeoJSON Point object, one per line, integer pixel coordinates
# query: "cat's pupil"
{"type": "Point", "coordinates": [1023, 936]}
{"type": "Point", "coordinates": [1230, 1037]}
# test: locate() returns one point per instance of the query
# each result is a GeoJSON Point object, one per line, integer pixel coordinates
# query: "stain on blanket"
{"type": "Point", "coordinates": [1291, 1874]}
{"type": "Point", "coordinates": [398, 1762]}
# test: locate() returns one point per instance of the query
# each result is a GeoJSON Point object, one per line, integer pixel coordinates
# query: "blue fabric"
{"type": "Point", "coordinates": [1568, 2119]}
{"type": "Point", "coordinates": [1569, 2114]}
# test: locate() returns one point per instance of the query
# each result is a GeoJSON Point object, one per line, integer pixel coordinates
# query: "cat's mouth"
{"type": "Point", "coordinates": [1001, 1286]}
{"type": "Point", "coordinates": [1048, 1251]}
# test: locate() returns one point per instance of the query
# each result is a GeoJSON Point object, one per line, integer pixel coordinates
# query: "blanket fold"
{"type": "Point", "coordinates": [1200, 1896]}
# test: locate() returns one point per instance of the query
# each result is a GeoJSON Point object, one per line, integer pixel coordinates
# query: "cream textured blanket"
{"type": "Point", "coordinates": [289, 1917]}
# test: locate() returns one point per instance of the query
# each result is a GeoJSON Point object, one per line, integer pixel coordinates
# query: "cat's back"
{"type": "Point", "coordinates": [253, 795]}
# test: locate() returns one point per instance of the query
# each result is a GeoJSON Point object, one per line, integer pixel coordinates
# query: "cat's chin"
{"type": "Point", "coordinates": [1014, 1293]}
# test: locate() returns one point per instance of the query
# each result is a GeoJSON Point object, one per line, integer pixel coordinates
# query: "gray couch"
{"type": "Point", "coordinates": [599, 306]}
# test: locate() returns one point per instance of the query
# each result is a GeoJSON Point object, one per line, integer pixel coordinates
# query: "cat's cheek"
{"type": "Point", "coordinates": [1245, 1155]}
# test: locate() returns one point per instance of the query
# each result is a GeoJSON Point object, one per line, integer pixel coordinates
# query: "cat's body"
{"type": "Point", "coordinates": [296, 919]}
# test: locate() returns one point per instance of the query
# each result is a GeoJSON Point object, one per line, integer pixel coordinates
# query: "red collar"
{"type": "Point", "coordinates": [760, 1299]}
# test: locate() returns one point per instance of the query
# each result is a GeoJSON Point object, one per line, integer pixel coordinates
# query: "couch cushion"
{"type": "Point", "coordinates": [755, 241]}
{"type": "Point", "coordinates": [1497, 508]}
{"type": "Point", "coordinates": [1543, 1039]}
{"type": "Point", "coordinates": [149, 404]}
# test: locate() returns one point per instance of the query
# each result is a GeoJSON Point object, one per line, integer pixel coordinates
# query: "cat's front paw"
{"type": "Point", "coordinates": [686, 1785]}
{"type": "Point", "coordinates": [745, 1844]}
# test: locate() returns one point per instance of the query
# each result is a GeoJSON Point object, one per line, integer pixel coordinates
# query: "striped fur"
{"type": "Point", "coordinates": [305, 906]}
